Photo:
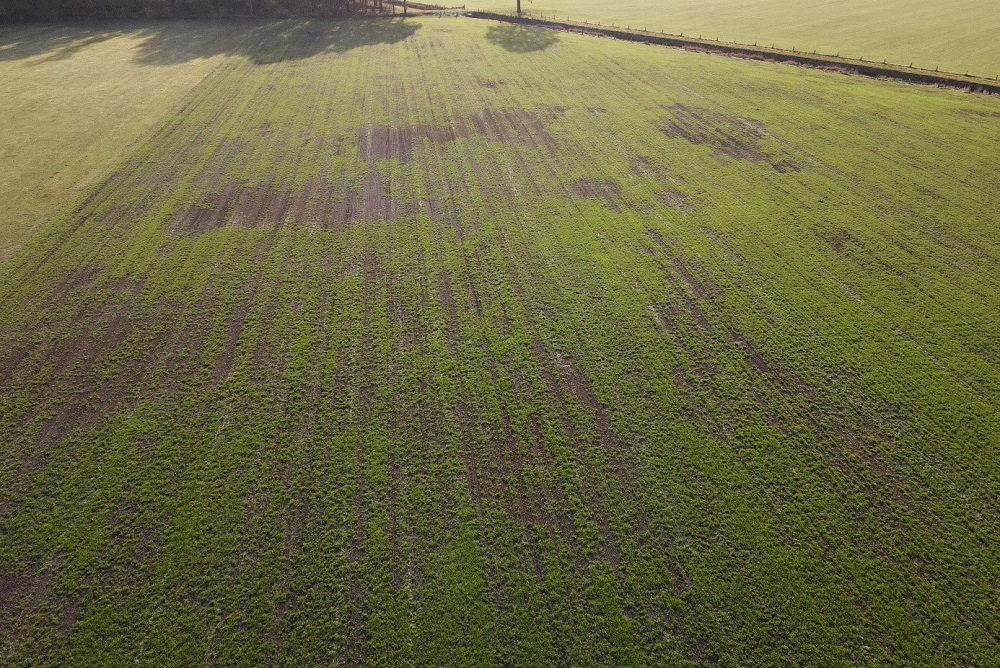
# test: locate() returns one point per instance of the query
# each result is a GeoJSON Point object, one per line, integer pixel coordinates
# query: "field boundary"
{"type": "Point", "coordinates": [832, 63]}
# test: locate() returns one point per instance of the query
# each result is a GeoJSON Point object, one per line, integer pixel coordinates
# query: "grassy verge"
{"type": "Point", "coordinates": [833, 63]}
{"type": "Point", "coordinates": [957, 37]}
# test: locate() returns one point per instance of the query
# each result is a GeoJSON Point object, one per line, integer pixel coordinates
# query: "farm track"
{"type": "Point", "coordinates": [431, 352]}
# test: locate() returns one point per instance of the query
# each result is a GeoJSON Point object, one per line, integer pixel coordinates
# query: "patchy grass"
{"type": "Point", "coordinates": [958, 36]}
{"type": "Point", "coordinates": [434, 351]}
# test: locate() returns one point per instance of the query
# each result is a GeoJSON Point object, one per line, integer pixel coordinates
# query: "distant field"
{"type": "Point", "coordinates": [74, 99]}
{"type": "Point", "coordinates": [958, 36]}
{"type": "Point", "coordinates": [445, 342]}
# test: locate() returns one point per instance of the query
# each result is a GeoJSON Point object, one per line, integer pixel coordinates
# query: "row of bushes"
{"type": "Point", "coordinates": [35, 10]}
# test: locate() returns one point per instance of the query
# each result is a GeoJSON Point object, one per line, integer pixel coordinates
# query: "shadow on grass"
{"type": "Point", "coordinates": [175, 42]}
{"type": "Point", "coordinates": [521, 39]}
{"type": "Point", "coordinates": [55, 42]}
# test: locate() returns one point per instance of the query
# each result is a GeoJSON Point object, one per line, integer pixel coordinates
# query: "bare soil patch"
{"type": "Point", "coordinates": [313, 205]}
{"type": "Point", "coordinates": [552, 111]}
{"type": "Point", "coordinates": [75, 280]}
{"type": "Point", "coordinates": [604, 189]}
{"type": "Point", "coordinates": [677, 200]}
{"type": "Point", "coordinates": [731, 137]}
{"type": "Point", "coordinates": [27, 591]}
{"type": "Point", "coordinates": [382, 142]}
{"type": "Point", "coordinates": [224, 154]}
{"type": "Point", "coordinates": [202, 218]}
{"type": "Point", "coordinates": [237, 206]}
{"type": "Point", "coordinates": [696, 286]}
{"type": "Point", "coordinates": [372, 202]}
{"type": "Point", "coordinates": [10, 363]}
{"type": "Point", "coordinates": [514, 126]}
{"type": "Point", "coordinates": [838, 239]}
{"type": "Point", "coordinates": [259, 207]}
{"type": "Point", "coordinates": [96, 341]}
{"type": "Point", "coordinates": [234, 328]}
{"type": "Point", "coordinates": [665, 318]}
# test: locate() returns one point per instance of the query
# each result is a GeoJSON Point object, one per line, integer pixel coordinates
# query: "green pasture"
{"type": "Point", "coordinates": [958, 36]}
{"type": "Point", "coordinates": [445, 342]}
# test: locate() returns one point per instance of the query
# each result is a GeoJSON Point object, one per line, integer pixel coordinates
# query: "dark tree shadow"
{"type": "Point", "coordinates": [521, 39]}
{"type": "Point", "coordinates": [278, 41]}
{"type": "Point", "coordinates": [55, 42]}
{"type": "Point", "coordinates": [175, 42]}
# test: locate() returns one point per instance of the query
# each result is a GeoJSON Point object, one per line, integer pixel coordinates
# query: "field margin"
{"type": "Point", "coordinates": [819, 61]}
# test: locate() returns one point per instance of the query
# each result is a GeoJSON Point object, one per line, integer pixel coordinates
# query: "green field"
{"type": "Point", "coordinates": [959, 36]}
{"type": "Point", "coordinates": [446, 342]}
{"type": "Point", "coordinates": [73, 100]}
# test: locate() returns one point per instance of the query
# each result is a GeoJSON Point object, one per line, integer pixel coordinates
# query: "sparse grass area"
{"type": "Point", "coordinates": [73, 101]}
{"type": "Point", "coordinates": [439, 343]}
{"type": "Point", "coordinates": [958, 36]}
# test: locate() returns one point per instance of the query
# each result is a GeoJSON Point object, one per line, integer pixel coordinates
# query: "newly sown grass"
{"type": "Point", "coordinates": [957, 36]}
{"type": "Point", "coordinates": [427, 351]}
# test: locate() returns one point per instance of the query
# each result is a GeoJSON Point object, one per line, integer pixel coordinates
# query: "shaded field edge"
{"type": "Point", "coordinates": [966, 82]}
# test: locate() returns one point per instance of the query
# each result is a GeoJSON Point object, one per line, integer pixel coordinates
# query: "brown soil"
{"type": "Point", "coordinates": [514, 126]}
{"type": "Point", "coordinates": [570, 379]}
{"type": "Point", "coordinates": [234, 327]}
{"type": "Point", "coordinates": [730, 137]}
{"type": "Point", "coordinates": [783, 166]}
{"type": "Point", "coordinates": [372, 203]}
{"type": "Point", "coordinates": [224, 155]}
{"type": "Point", "coordinates": [442, 135]}
{"type": "Point", "coordinates": [129, 286]}
{"type": "Point", "coordinates": [380, 142]}
{"type": "Point", "coordinates": [199, 219]}
{"type": "Point", "coordinates": [436, 211]}
{"type": "Point", "coordinates": [259, 207]}
{"type": "Point", "coordinates": [89, 347]}
{"type": "Point", "coordinates": [313, 206]}
{"type": "Point", "coordinates": [606, 190]}
{"type": "Point", "coordinates": [13, 588]}
{"type": "Point", "coordinates": [887, 482]}
{"type": "Point", "coordinates": [664, 318]}
{"type": "Point", "coordinates": [75, 280]}
{"type": "Point", "coordinates": [10, 363]}
{"type": "Point", "coordinates": [70, 613]}
{"type": "Point", "coordinates": [552, 111]}
{"type": "Point", "coordinates": [839, 239]}
{"type": "Point", "coordinates": [242, 207]}
{"type": "Point", "coordinates": [677, 200]}
{"type": "Point", "coordinates": [26, 591]}
{"type": "Point", "coordinates": [685, 273]}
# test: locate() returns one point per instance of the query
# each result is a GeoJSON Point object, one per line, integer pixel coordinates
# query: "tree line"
{"type": "Point", "coordinates": [40, 10]}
